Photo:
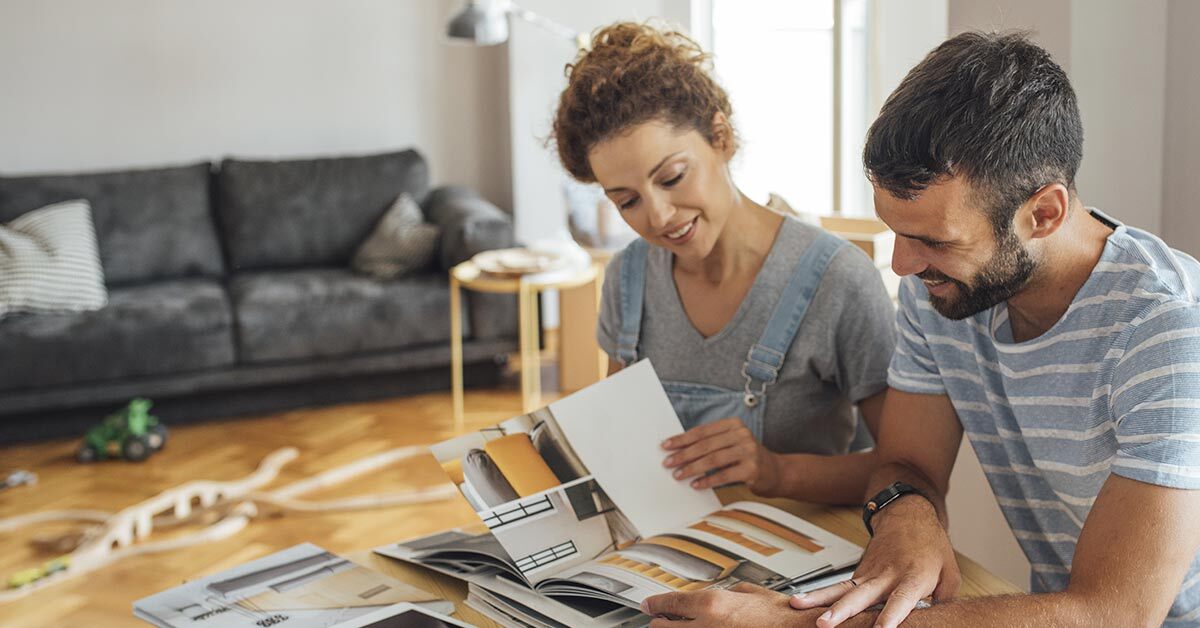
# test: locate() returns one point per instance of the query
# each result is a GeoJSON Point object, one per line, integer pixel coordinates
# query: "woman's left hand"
{"type": "Point", "coordinates": [722, 452]}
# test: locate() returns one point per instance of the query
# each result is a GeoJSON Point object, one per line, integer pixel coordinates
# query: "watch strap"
{"type": "Point", "coordinates": [894, 491]}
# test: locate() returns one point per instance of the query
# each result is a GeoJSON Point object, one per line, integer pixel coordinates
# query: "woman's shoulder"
{"type": "Point", "coordinates": [653, 258]}
{"type": "Point", "coordinates": [622, 254]}
{"type": "Point", "coordinates": [849, 261]}
{"type": "Point", "coordinates": [850, 269]}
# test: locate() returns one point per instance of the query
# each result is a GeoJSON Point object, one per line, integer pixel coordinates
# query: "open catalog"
{"type": "Point", "coordinates": [302, 586]}
{"type": "Point", "coordinates": [578, 509]}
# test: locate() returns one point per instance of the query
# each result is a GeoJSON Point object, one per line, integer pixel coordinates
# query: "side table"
{"type": "Point", "coordinates": [526, 287]}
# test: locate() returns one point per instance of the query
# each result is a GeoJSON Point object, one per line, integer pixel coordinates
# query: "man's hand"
{"type": "Point", "coordinates": [910, 558]}
{"type": "Point", "coordinates": [723, 452]}
{"type": "Point", "coordinates": [742, 605]}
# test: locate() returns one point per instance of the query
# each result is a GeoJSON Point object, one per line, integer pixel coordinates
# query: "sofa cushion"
{"type": "Point", "coordinates": [315, 212]}
{"type": "Point", "coordinates": [150, 224]}
{"type": "Point", "coordinates": [401, 244]}
{"type": "Point", "coordinates": [320, 313]}
{"type": "Point", "coordinates": [154, 329]}
{"type": "Point", "coordinates": [49, 261]}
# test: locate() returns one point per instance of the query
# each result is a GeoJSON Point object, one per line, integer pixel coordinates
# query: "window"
{"type": "Point", "coordinates": [796, 72]}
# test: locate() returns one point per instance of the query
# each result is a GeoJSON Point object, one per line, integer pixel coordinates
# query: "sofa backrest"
{"type": "Point", "coordinates": [150, 224]}
{"type": "Point", "coordinates": [311, 212]}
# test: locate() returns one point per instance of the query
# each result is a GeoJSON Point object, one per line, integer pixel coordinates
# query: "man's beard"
{"type": "Point", "coordinates": [1002, 276]}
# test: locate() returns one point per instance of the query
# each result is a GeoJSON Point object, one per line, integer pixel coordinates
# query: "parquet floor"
{"type": "Point", "coordinates": [326, 438]}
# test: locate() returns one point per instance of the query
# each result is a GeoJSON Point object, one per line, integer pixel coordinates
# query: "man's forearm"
{"type": "Point", "coordinates": [1016, 611]}
{"type": "Point", "coordinates": [838, 480]}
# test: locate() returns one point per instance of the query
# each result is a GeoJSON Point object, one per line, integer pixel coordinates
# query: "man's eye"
{"type": "Point", "coordinates": [629, 203]}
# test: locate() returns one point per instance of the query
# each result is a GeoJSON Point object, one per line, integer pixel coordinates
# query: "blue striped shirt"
{"type": "Point", "coordinates": [1112, 387]}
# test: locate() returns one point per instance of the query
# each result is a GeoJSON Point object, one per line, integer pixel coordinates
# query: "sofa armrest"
{"type": "Point", "coordinates": [469, 223]}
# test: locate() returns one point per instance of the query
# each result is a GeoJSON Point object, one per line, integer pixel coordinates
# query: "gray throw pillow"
{"type": "Point", "coordinates": [49, 261]}
{"type": "Point", "coordinates": [401, 243]}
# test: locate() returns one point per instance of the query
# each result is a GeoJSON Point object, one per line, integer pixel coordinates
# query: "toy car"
{"type": "Point", "coordinates": [132, 434]}
{"type": "Point", "coordinates": [33, 574]}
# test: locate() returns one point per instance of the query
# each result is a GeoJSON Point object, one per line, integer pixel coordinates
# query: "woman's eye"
{"type": "Point", "coordinates": [628, 203]}
{"type": "Point", "coordinates": [672, 181]}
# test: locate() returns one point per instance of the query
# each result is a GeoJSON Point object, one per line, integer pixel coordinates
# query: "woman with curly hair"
{"type": "Point", "coordinates": [766, 332]}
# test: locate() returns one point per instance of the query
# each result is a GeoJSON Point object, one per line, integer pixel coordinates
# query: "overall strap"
{"type": "Point", "coordinates": [632, 292]}
{"type": "Point", "coordinates": [765, 359]}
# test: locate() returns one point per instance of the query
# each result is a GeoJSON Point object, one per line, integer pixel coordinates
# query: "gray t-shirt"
{"type": "Point", "coordinates": [840, 354]}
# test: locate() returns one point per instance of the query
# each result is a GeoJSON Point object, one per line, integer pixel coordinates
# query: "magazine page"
{"type": "Point", "coordinates": [742, 542]}
{"type": "Point", "coordinates": [460, 553]}
{"type": "Point", "coordinates": [403, 616]}
{"type": "Point", "coordinates": [534, 494]}
{"type": "Point", "coordinates": [304, 585]}
{"type": "Point", "coordinates": [571, 610]}
{"type": "Point", "coordinates": [547, 483]}
{"type": "Point", "coordinates": [617, 426]}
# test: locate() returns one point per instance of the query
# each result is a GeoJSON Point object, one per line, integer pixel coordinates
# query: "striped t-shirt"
{"type": "Point", "coordinates": [1112, 387]}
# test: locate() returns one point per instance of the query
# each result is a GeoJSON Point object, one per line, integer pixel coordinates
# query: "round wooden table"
{"type": "Point", "coordinates": [527, 288]}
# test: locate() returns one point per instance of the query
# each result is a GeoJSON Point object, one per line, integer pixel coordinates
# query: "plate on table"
{"type": "Point", "coordinates": [519, 261]}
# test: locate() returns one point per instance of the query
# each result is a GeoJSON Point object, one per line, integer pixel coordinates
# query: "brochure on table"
{"type": "Point", "coordinates": [578, 507]}
{"type": "Point", "coordinates": [300, 586]}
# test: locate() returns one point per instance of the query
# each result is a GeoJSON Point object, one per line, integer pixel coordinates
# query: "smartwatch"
{"type": "Point", "coordinates": [888, 495]}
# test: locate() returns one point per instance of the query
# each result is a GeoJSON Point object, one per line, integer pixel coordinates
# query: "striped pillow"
{"type": "Point", "coordinates": [401, 244]}
{"type": "Point", "coordinates": [49, 261]}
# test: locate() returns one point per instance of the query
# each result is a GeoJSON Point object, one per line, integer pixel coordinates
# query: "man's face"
{"type": "Point", "coordinates": [948, 242]}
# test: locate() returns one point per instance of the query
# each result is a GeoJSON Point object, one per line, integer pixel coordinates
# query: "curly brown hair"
{"type": "Point", "coordinates": [631, 74]}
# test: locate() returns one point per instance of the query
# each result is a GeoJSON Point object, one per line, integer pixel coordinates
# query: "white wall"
{"type": "Point", "coordinates": [1181, 147]}
{"type": "Point", "coordinates": [100, 85]}
{"type": "Point", "coordinates": [1049, 21]}
{"type": "Point", "coordinates": [1118, 69]}
{"type": "Point", "coordinates": [904, 33]}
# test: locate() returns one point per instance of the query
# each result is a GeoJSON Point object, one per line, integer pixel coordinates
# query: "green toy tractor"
{"type": "Point", "coordinates": [132, 433]}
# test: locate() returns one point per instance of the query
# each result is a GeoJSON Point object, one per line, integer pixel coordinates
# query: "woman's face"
{"type": "Point", "coordinates": [670, 185]}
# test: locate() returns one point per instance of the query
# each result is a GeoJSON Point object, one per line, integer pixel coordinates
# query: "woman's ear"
{"type": "Point", "coordinates": [722, 134]}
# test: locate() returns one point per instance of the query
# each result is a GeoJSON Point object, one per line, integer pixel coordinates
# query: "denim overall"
{"type": "Point", "coordinates": [697, 404]}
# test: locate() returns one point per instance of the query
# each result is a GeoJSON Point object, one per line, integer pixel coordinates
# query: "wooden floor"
{"type": "Point", "coordinates": [326, 438]}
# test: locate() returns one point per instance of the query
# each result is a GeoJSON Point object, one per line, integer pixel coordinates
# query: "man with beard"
{"type": "Point", "coordinates": [1064, 345]}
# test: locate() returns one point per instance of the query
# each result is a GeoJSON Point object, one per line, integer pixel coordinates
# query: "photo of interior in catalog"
{"type": "Point", "coordinates": [534, 493]}
{"type": "Point", "coordinates": [579, 508]}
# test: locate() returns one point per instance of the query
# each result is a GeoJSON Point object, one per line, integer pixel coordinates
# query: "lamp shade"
{"type": "Point", "coordinates": [479, 25]}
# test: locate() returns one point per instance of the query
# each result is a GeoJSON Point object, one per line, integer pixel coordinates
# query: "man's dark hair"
{"type": "Point", "coordinates": [992, 108]}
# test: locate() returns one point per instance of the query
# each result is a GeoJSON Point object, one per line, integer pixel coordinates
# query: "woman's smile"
{"type": "Point", "coordinates": [682, 234]}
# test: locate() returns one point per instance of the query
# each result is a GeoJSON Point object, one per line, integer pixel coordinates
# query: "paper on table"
{"type": "Point", "coordinates": [616, 427]}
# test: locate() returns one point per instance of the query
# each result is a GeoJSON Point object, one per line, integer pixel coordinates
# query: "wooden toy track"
{"type": "Point", "coordinates": [111, 537]}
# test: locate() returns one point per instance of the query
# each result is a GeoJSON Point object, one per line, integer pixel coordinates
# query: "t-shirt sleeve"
{"type": "Point", "coordinates": [1155, 398]}
{"type": "Point", "coordinates": [913, 368]}
{"type": "Point", "coordinates": [863, 330]}
{"type": "Point", "coordinates": [609, 323]}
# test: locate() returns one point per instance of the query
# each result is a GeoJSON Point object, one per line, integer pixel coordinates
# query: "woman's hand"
{"type": "Point", "coordinates": [721, 453]}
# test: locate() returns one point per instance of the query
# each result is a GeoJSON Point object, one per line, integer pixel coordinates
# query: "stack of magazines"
{"type": "Point", "coordinates": [581, 522]}
{"type": "Point", "coordinates": [300, 587]}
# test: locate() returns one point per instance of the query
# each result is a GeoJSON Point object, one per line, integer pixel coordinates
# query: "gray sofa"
{"type": "Point", "coordinates": [230, 293]}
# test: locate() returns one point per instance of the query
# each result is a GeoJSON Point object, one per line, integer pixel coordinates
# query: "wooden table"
{"type": "Point", "coordinates": [844, 522]}
{"type": "Point", "coordinates": [587, 280]}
